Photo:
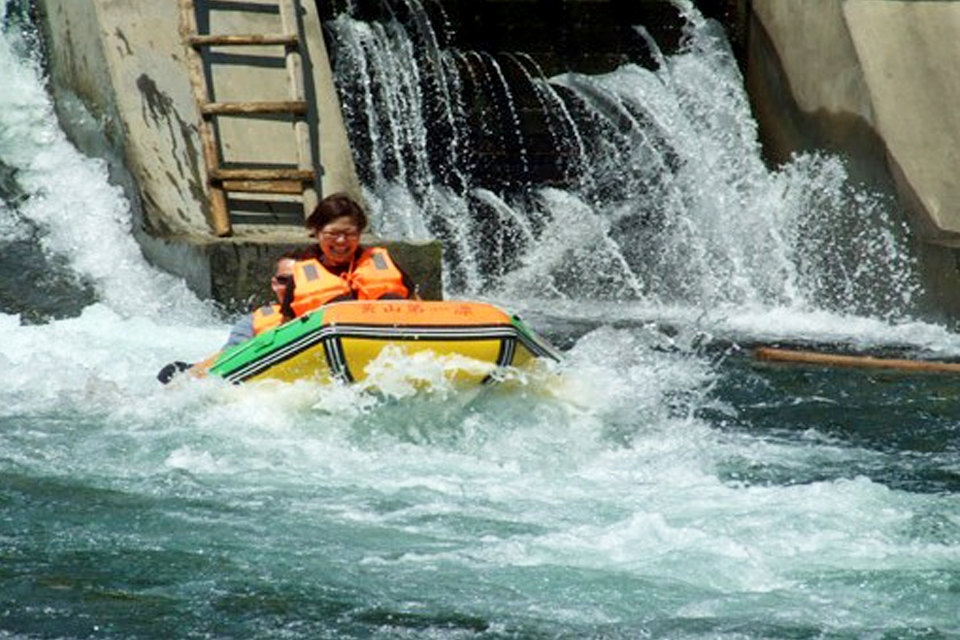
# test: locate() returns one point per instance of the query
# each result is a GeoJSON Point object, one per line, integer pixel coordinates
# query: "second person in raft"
{"type": "Point", "coordinates": [337, 267]}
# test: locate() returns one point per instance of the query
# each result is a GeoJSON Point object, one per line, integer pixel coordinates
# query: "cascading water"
{"type": "Point", "coordinates": [668, 200]}
{"type": "Point", "coordinates": [654, 485]}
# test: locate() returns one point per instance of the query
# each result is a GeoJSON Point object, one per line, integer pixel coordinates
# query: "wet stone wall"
{"type": "Point", "coordinates": [511, 136]}
{"type": "Point", "coordinates": [588, 36]}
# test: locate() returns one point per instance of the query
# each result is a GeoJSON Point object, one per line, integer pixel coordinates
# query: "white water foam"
{"type": "Point", "coordinates": [85, 220]}
{"type": "Point", "coordinates": [591, 496]}
{"type": "Point", "coordinates": [144, 318]}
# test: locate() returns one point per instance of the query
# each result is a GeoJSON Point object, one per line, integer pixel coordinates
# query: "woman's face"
{"type": "Point", "coordinates": [338, 240]}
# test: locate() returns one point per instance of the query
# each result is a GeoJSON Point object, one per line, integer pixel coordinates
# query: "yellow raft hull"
{"type": "Point", "coordinates": [342, 341]}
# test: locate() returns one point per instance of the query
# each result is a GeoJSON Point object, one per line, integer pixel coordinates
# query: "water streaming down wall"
{"type": "Point", "coordinates": [33, 283]}
{"type": "Point", "coordinates": [640, 183]}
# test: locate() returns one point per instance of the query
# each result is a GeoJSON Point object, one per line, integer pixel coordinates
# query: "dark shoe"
{"type": "Point", "coordinates": [169, 371]}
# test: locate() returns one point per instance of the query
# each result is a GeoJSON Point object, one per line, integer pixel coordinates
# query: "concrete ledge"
{"type": "Point", "coordinates": [236, 271]}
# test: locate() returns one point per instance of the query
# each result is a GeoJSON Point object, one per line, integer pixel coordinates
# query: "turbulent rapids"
{"type": "Point", "coordinates": [652, 484]}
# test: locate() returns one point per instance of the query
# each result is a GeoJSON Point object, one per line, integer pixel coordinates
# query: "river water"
{"type": "Point", "coordinates": [655, 484]}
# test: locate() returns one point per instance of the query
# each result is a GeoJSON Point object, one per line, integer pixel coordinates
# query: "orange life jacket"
{"type": "Point", "coordinates": [267, 317]}
{"type": "Point", "coordinates": [375, 276]}
{"type": "Point", "coordinates": [371, 277]}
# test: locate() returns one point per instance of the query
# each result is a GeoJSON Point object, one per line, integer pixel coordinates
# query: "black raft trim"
{"type": "Point", "coordinates": [508, 348]}
{"type": "Point", "coordinates": [333, 349]}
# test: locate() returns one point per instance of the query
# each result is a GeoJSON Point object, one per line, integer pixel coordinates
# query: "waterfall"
{"type": "Point", "coordinates": [657, 191]}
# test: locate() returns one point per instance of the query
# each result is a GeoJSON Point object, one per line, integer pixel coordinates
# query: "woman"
{"type": "Point", "coordinates": [338, 267]}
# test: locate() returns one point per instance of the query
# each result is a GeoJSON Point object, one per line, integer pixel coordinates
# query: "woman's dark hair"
{"type": "Point", "coordinates": [336, 205]}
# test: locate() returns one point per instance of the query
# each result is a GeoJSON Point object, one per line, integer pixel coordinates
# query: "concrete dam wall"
{"type": "Point", "coordinates": [874, 82]}
{"type": "Point", "coordinates": [126, 64]}
{"type": "Point", "coordinates": [878, 84]}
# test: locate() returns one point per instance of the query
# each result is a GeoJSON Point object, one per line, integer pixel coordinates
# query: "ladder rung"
{"type": "Point", "coordinates": [242, 40]}
{"type": "Point", "coordinates": [300, 175]}
{"type": "Point", "coordinates": [263, 186]}
{"type": "Point", "coordinates": [295, 107]}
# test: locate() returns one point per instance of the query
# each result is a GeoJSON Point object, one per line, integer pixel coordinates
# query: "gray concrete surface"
{"type": "Point", "coordinates": [878, 81]}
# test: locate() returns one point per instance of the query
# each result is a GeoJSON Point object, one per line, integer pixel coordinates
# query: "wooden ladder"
{"type": "Point", "coordinates": [300, 180]}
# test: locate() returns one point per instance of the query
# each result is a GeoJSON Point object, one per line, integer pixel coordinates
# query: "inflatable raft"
{"type": "Point", "coordinates": [338, 341]}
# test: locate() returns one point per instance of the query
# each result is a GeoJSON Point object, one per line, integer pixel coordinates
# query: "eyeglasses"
{"type": "Point", "coordinates": [336, 235]}
{"type": "Point", "coordinates": [283, 279]}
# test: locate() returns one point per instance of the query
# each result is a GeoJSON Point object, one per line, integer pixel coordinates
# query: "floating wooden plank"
{"type": "Point", "coordinates": [289, 187]}
{"type": "Point", "coordinates": [294, 107]}
{"type": "Point", "coordinates": [286, 39]}
{"type": "Point", "coordinates": [790, 356]}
